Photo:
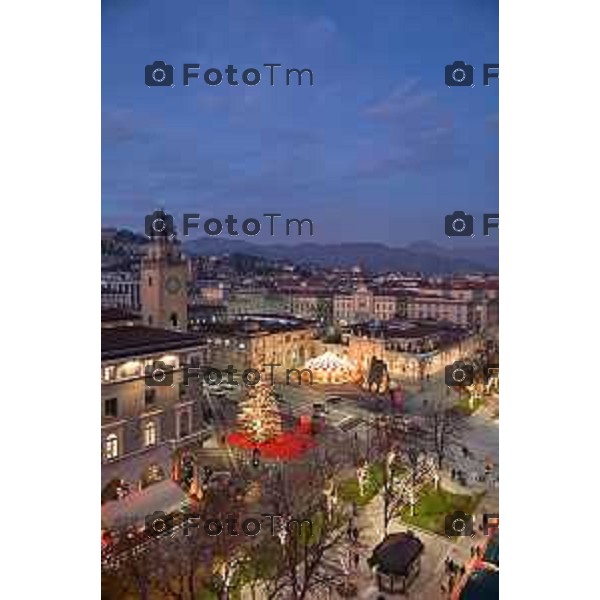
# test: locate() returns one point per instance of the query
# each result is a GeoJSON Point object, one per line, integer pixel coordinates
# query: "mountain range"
{"type": "Point", "coordinates": [424, 257]}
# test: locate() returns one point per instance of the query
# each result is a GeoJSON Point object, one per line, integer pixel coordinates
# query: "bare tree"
{"type": "Point", "coordinates": [443, 427]}
{"type": "Point", "coordinates": [129, 563]}
{"type": "Point", "coordinates": [182, 571]}
{"type": "Point", "coordinates": [310, 530]}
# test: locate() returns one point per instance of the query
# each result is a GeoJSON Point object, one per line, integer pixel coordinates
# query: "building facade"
{"type": "Point", "coordinates": [254, 343]}
{"type": "Point", "coordinates": [145, 421]}
{"type": "Point", "coordinates": [411, 351]}
{"type": "Point", "coordinates": [120, 289]}
{"type": "Point", "coordinates": [314, 306]}
{"type": "Point", "coordinates": [363, 305]}
{"type": "Point", "coordinates": [258, 301]}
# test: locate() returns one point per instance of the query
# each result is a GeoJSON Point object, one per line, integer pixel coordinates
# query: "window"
{"type": "Point", "coordinates": [111, 446]}
{"type": "Point", "coordinates": [154, 474]}
{"type": "Point", "coordinates": [110, 407]}
{"type": "Point", "coordinates": [150, 433]}
{"type": "Point", "coordinates": [184, 423]}
{"type": "Point", "coordinates": [150, 397]}
{"type": "Point", "coordinates": [174, 319]}
{"type": "Point", "coordinates": [149, 281]}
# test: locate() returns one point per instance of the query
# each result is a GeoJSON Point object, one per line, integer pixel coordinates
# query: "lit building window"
{"type": "Point", "coordinates": [150, 433]}
{"type": "Point", "coordinates": [111, 446]}
{"type": "Point", "coordinates": [109, 373]}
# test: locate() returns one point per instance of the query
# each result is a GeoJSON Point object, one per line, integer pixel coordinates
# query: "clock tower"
{"type": "Point", "coordinates": [163, 285]}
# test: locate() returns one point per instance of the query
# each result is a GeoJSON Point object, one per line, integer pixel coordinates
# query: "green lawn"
{"type": "Point", "coordinates": [463, 405]}
{"type": "Point", "coordinates": [434, 505]}
{"type": "Point", "coordinates": [349, 490]}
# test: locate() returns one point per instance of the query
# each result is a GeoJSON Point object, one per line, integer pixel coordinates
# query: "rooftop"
{"type": "Point", "coordinates": [257, 325]}
{"type": "Point", "coordinates": [138, 340]}
{"type": "Point", "coordinates": [409, 329]}
{"type": "Point", "coordinates": [396, 553]}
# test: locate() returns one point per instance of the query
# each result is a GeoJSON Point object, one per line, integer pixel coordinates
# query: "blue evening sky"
{"type": "Point", "coordinates": [378, 149]}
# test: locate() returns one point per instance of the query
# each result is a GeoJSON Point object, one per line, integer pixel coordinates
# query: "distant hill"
{"type": "Point", "coordinates": [422, 256]}
{"type": "Point", "coordinates": [485, 255]}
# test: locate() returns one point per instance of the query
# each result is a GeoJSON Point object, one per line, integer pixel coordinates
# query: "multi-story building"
{"type": "Point", "coordinates": [264, 301]}
{"type": "Point", "coordinates": [411, 351]}
{"type": "Point", "coordinates": [363, 305]}
{"type": "Point", "coordinates": [313, 305]}
{"type": "Point", "coordinates": [461, 312]}
{"type": "Point", "coordinates": [147, 423]}
{"type": "Point", "coordinates": [467, 307]}
{"type": "Point", "coordinates": [120, 288]}
{"type": "Point", "coordinates": [256, 341]}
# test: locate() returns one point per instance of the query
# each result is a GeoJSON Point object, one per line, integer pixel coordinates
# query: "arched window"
{"type": "Point", "coordinates": [111, 446]}
{"type": "Point", "coordinates": [174, 319]}
{"type": "Point", "coordinates": [150, 433]}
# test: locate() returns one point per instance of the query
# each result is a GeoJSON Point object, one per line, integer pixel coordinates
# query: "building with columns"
{"type": "Point", "coordinates": [411, 350]}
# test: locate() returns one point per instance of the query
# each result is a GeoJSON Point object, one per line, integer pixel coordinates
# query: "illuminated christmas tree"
{"type": "Point", "coordinates": [259, 414]}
